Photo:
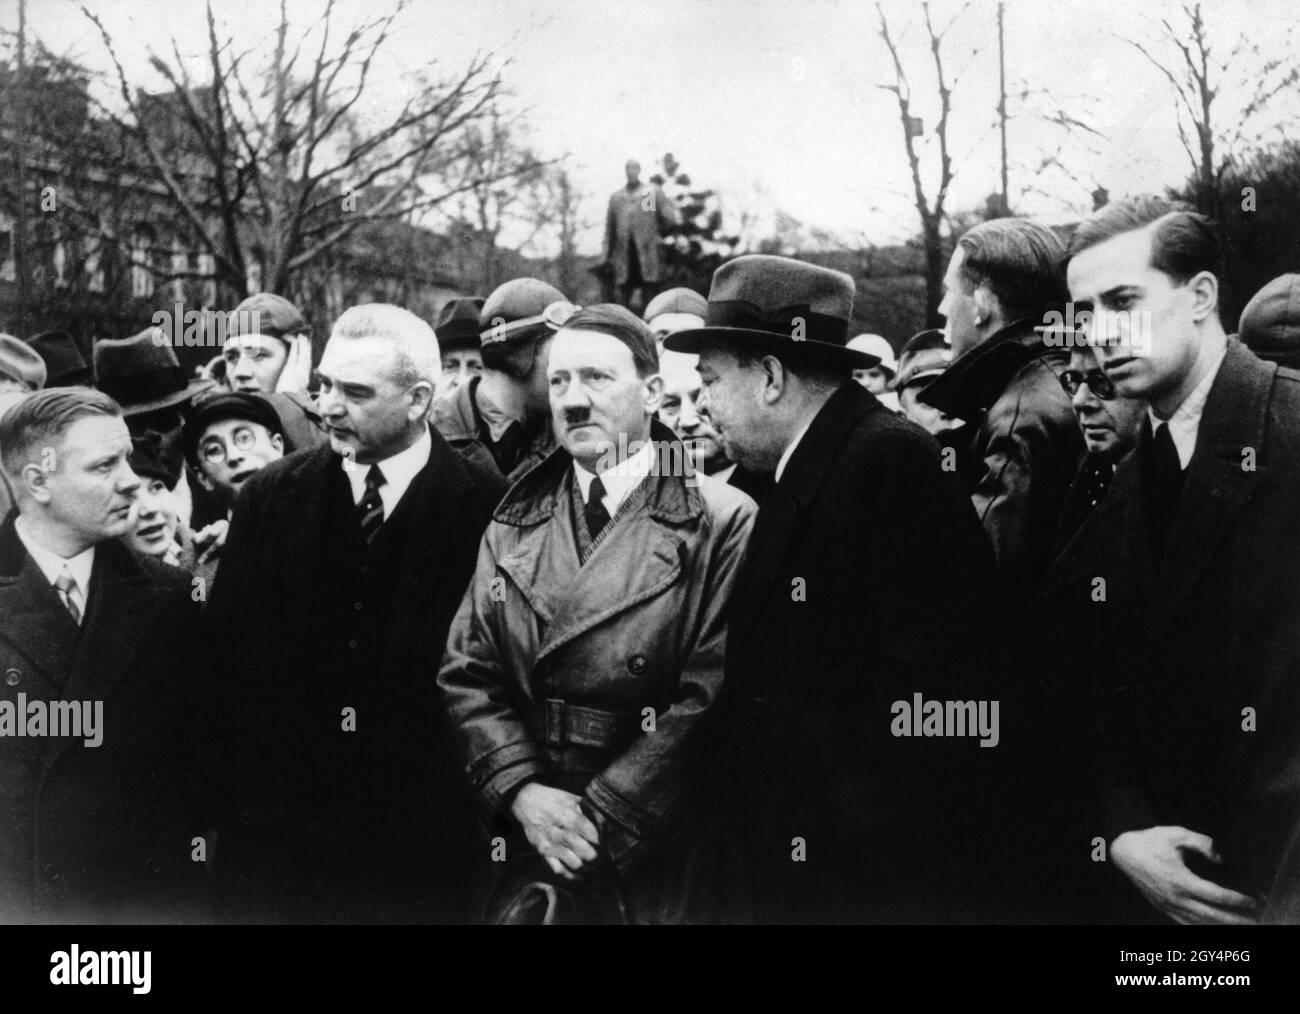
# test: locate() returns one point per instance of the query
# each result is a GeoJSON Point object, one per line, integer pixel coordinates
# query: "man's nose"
{"type": "Point", "coordinates": [463, 374]}
{"type": "Point", "coordinates": [329, 403]}
{"type": "Point", "coordinates": [575, 397]}
{"type": "Point", "coordinates": [128, 483]}
{"type": "Point", "coordinates": [690, 416]}
{"type": "Point", "coordinates": [243, 367]}
{"type": "Point", "coordinates": [1084, 400]}
{"type": "Point", "coordinates": [234, 456]}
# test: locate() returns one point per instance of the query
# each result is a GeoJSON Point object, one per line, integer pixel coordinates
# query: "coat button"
{"type": "Point", "coordinates": [636, 665]}
{"type": "Point", "coordinates": [153, 866]}
{"type": "Point", "coordinates": [357, 606]}
{"type": "Point", "coordinates": [51, 872]}
{"type": "Point", "coordinates": [13, 677]}
{"type": "Point", "coordinates": [543, 669]}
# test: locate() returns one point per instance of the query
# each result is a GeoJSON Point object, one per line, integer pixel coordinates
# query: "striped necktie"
{"type": "Point", "coordinates": [370, 511]}
{"type": "Point", "coordinates": [65, 585]}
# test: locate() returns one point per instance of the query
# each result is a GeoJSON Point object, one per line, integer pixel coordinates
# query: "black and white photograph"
{"type": "Point", "coordinates": [824, 466]}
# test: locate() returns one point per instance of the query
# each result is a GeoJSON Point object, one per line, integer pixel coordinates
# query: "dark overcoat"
{"type": "Point", "coordinates": [103, 833]}
{"type": "Point", "coordinates": [1192, 670]}
{"type": "Point", "coordinates": [868, 580]}
{"type": "Point", "coordinates": [326, 818]}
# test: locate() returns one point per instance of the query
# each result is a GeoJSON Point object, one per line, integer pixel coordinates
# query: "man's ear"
{"type": "Point", "coordinates": [1205, 296]}
{"type": "Point", "coordinates": [986, 306]}
{"type": "Point", "coordinates": [277, 442]}
{"type": "Point", "coordinates": [202, 477]}
{"type": "Point", "coordinates": [421, 400]}
{"type": "Point", "coordinates": [774, 378]}
{"type": "Point", "coordinates": [653, 393]}
{"type": "Point", "coordinates": [36, 481]}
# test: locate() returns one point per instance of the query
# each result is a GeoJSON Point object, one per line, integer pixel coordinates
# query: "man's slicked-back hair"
{"type": "Point", "coordinates": [418, 356]}
{"type": "Point", "coordinates": [40, 420]}
{"type": "Point", "coordinates": [621, 323]}
{"type": "Point", "coordinates": [1021, 262]}
{"type": "Point", "coordinates": [1183, 242]}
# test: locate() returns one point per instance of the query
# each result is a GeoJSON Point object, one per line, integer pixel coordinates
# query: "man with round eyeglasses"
{"type": "Point", "coordinates": [229, 438]}
{"type": "Point", "coordinates": [1110, 426]}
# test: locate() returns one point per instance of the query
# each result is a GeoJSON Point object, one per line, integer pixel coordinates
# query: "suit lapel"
{"type": "Point", "coordinates": [433, 528]}
{"type": "Point", "coordinates": [121, 610]}
{"type": "Point", "coordinates": [1217, 485]}
{"type": "Point", "coordinates": [35, 622]}
{"type": "Point", "coordinates": [782, 507]}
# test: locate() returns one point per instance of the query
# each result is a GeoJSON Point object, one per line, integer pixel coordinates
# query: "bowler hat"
{"type": "Point", "coordinates": [676, 301]}
{"type": "Point", "coordinates": [219, 405]}
{"type": "Point", "coordinates": [515, 309]}
{"type": "Point", "coordinates": [268, 314]}
{"type": "Point", "coordinates": [925, 356]}
{"type": "Point", "coordinates": [141, 373]}
{"type": "Point", "coordinates": [778, 305]}
{"type": "Point", "coordinates": [64, 364]}
{"type": "Point", "coordinates": [457, 325]}
{"type": "Point", "coordinates": [20, 362]}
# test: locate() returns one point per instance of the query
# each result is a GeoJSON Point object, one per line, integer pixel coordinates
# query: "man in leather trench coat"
{"type": "Point", "coordinates": [582, 669]}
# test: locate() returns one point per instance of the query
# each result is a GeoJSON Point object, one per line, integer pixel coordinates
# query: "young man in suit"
{"type": "Point", "coordinates": [97, 809]}
{"type": "Point", "coordinates": [340, 575]}
{"type": "Point", "coordinates": [865, 584]}
{"type": "Point", "coordinates": [1184, 583]}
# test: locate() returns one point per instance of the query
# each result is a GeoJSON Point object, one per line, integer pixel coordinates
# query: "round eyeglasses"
{"type": "Point", "coordinates": [1096, 379]}
{"type": "Point", "coordinates": [213, 449]}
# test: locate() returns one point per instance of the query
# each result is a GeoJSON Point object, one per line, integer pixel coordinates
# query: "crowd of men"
{"type": "Point", "coordinates": [557, 614]}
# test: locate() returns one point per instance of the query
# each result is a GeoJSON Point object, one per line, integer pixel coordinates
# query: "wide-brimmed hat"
{"type": "Point", "coordinates": [142, 374]}
{"type": "Point", "coordinates": [20, 362]}
{"type": "Point", "coordinates": [775, 304]}
{"type": "Point", "coordinates": [65, 366]}
{"type": "Point", "coordinates": [457, 325]}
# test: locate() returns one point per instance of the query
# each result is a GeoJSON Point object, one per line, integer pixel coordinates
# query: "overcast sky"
{"type": "Point", "coordinates": [773, 102]}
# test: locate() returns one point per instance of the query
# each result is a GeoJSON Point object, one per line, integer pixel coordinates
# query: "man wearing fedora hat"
{"type": "Point", "coordinates": [64, 364]}
{"type": "Point", "coordinates": [501, 420]}
{"type": "Point", "coordinates": [21, 372]}
{"type": "Point", "coordinates": [457, 329]}
{"type": "Point", "coordinates": [142, 374]}
{"type": "Point", "coordinates": [865, 583]}
{"type": "Point", "coordinates": [21, 369]}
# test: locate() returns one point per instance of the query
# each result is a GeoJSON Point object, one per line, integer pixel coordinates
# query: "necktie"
{"type": "Point", "coordinates": [1164, 482]}
{"type": "Point", "coordinates": [370, 510]}
{"type": "Point", "coordinates": [65, 586]}
{"type": "Point", "coordinates": [594, 512]}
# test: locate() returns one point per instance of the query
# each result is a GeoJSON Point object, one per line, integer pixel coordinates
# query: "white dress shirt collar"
{"type": "Point", "coordinates": [789, 451]}
{"type": "Point", "coordinates": [620, 480]}
{"type": "Point", "coordinates": [399, 472]}
{"type": "Point", "coordinates": [1185, 423]}
{"type": "Point", "coordinates": [52, 564]}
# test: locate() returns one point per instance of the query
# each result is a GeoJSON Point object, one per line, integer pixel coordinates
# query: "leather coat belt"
{"type": "Point", "coordinates": [561, 724]}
